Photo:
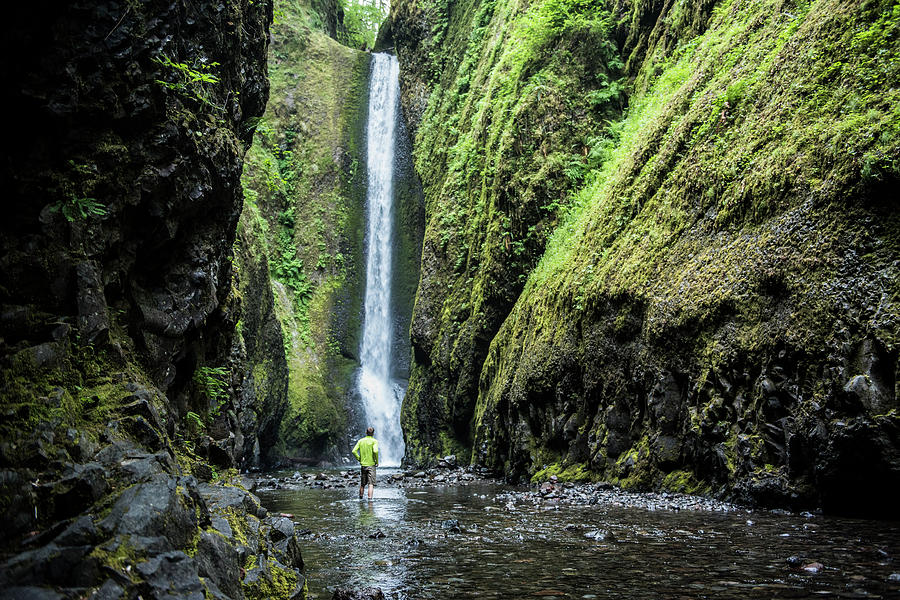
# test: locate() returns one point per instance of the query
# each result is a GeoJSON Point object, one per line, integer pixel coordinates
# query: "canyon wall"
{"type": "Point", "coordinates": [660, 248]}
{"type": "Point", "coordinates": [129, 393]}
{"type": "Point", "coordinates": [304, 215]}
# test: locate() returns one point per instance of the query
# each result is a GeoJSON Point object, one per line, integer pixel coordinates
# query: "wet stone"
{"type": "Point", "coordinates": [451, 525]}
{"type": "Point", "coordinates": [110, 590]}
{"type": "Point", "coordinates": [363, 594]}
{"type": "Point", "coordinates": [171, 575]}
{"type": "Point", "coordinates": [222, 525]}
{"type": "Point", "coordinates": [281, 528]}
{"type": "Point", "coordinates": [164, 505]}
{"type": "Point", "coordinates": [53, 565]}
{"type": "Point", "coordinates": [220, 562]}
{"type": "Point", "coordinates": [228, 497]}
{"type": "Point", "coordinates": [29, 593]}
{"type": "Point", "coordinates": [813, 567]}
{"type": "Point", "coordinates": [80, 533]}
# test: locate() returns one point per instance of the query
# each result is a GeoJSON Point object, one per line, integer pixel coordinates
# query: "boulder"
{"type": "Point", "coordinates": [447, 462]}
{"type": "Point", "coordinates": [51, 565]}
{"type": "Point", "coordinates": [166, 506]}
{"type": "Point", "coordinates": [171, 575]}
{"type": "Point", "coordinates": [220, 562]}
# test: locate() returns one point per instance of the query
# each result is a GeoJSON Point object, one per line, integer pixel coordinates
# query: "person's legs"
{"type": "Point", "coordinates": [371, 482]}
{"type": "Point", "coordinates": [362, 481]}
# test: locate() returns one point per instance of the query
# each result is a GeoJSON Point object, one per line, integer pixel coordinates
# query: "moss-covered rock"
{"type": "Point", "coordinates": [304, 212]}
{"type": "Point", "coordinates": [714, 286]}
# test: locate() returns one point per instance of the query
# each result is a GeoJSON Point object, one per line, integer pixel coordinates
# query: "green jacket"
{"type": "Point", "coordinates": [366, 451]}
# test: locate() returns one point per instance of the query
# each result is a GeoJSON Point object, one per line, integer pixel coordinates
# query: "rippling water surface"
{"type": "Point", "coordinates": [508, 550]}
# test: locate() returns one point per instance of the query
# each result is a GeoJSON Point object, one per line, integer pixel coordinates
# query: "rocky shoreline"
{"type": "Point", "coordinates": [548, 495]}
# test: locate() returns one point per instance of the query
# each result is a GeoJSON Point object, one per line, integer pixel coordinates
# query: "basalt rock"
{"type": "Point", "coordinates": [362, 594]}
{"type": "Point", "coordinates": [124, 194]}
{"type": "Point", "coordinates": [161, 534]}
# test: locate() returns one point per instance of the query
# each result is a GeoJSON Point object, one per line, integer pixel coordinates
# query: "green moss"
{"type": "Point", "coordinates": [276, 583]}
{"type": "Point", "coordinates": [633, 469]}
{"type": "Point", "coordinates": [451, 446]}
{"type": "Point", "coordinates": [576, 472]}
{"type": "Point", "coordinates": [515, 122]}
{"type": "Point", "coordinates": [82, 388]}
{"type": "Point", "coordinates": [694, 235]}
{"type": "Point", "coordinates": [238, 523]}
{"type": "Point", "coordinates": [194, 543]}
{"type": "Point", "coordinates": [304, 200]}
{"type": "Point", "coordinates": [685, 482]}
{"type": "Point", "coordinates": [120, 556]}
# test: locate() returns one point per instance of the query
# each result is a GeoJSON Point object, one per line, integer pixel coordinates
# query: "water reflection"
{"type": "Point", "coordinates": [510, 550]}
{"type": "Point", "coordinates": [366, 517]}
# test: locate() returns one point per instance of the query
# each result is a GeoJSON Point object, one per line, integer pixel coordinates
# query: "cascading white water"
{"type": "Point", "coordinates": [381, 396]}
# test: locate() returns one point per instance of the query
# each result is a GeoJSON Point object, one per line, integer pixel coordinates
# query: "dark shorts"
{"type": "Point", "coordinates": [367, 476]}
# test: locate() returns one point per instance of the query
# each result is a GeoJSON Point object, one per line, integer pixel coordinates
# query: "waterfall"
{"type": "Point", "coordinates": [381, 396]}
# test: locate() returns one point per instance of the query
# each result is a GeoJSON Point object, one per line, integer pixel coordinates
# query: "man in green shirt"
{"type": "Point", "coordinates": [366, 452]}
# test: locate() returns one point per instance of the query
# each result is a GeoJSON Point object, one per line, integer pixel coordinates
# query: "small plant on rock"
{"type": "Point", "coordinates": [195, 82]}
{"type": "Point", "coordinates": [213, 384]}
{"type": "Point", "coordinates": [79, 208]}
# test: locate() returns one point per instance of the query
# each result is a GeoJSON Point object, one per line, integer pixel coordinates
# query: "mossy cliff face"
{"type": "Point", "coordinates": [260, 342]}
{"type": "Point", "coordinates": [304, 217]}
{"type": "Point", "coordinates": [122, 381]}
{"type": "Point", "coordinates": [712, 292]}
{"type": "Point", "coordinates": [499, 148]}
{"type": "Point", "coordinates": [132, 121]}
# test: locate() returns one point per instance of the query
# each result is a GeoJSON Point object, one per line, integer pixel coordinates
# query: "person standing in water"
{"type": "Point", "coordinates": [366, 452]}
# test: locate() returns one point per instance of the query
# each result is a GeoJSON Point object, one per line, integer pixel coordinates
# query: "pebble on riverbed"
{"type": "Point", "coordinates": [548, 495]}
{"type": "Point", "coordinates": [552, 494]}
{"type": "Point", "coordinates": [363, 594]}
{"type": "Point", "coordinates": [339, 479]}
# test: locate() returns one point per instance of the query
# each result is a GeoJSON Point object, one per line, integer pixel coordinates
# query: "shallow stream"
{"type": "Point", "coordinates": [503, 548]}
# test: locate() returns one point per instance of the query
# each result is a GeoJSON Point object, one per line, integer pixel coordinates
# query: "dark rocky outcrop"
{"type": "Point", "coordinates": [676, 296]}
{"type": "Point", "coordinates": [160, 533]}
{"type": "Point", "coordinates": [123, 380]}
{"type": "Point", "coordinates": [131, 124]}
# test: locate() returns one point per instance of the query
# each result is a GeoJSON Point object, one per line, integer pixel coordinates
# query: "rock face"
{"type": "Point", "coordinates": [125, 181]}
{"type": "Point", "coordinates": [123, 380]}
{"type": "Point", "coordinates": [260, 345]}
{"type": "Point", "coordinates": [682, 295]}
{"type": "Point", "coordinates": [304, 215]}
{"type": "Point", "coordinates": [164, 533]}
{"type": "Point", "coordinates": [302, 230]}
